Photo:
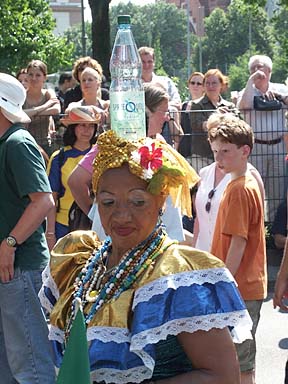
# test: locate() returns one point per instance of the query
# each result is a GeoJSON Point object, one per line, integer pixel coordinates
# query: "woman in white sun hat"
{"type": "Point", "coordinates": [80, 135]}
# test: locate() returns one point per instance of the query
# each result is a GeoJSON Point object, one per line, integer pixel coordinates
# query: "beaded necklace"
{"type": "Point", "coordinates": [88, 286]}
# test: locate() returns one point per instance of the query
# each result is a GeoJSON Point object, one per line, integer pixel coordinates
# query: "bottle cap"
{"type": "Point", "coordinates": [124, 19]}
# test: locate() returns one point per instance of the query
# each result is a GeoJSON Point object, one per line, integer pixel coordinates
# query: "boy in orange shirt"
{"type": "Point", "coordinates": [239, 235]}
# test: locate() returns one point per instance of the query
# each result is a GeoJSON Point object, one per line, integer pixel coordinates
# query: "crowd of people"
{"type": "Point", "coordinates": [161, 303]}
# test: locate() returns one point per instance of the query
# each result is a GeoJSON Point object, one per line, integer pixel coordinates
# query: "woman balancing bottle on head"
{"type": "Point", "coordinates": [154, 309]}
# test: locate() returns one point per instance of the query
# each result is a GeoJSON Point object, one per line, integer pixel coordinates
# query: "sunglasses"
{"type": "Point", "coordinates": [195, 83]}
{"type": "Point", "coordinates": [210, 197]}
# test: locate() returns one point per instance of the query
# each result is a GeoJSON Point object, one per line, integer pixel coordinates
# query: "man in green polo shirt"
{"type": "Point", "coordinates": [25, 200]}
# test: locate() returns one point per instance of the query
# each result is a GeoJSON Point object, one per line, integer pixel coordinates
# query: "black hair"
{"type": "Point", "coordinates": [69, 136]}
{"type": "Point", "coordinates": [64, 76]}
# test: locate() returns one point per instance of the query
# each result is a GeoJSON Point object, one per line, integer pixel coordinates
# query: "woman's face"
{"type": "Point", "coordinates": [89, 83]}
{"type": "Point", "coordinates": [23, 78]}
{"type": "Point", "coordinates": [196, 87]}
{"type": "Point", "coordinates": [158, 118]}
{"type": "Point", "coordinates": [36, 77]}
{"type": "Point", "coordinates": [127, 211]}
{"type": "Point", "coordinates": [84, 132]}
{"type": "Point", "coordinates": [212, 86]}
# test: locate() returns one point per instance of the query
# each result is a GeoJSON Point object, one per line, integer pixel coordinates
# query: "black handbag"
{"type": "Point", "coordinates": [78, 219]}
{"type": "Point", "coordinates": [262, 103]}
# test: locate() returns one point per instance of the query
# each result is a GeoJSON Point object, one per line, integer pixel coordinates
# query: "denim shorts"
{"type": "Point", "coordinates": [246, 351]}
{"type": "Point", "coordinates": [25, 350]}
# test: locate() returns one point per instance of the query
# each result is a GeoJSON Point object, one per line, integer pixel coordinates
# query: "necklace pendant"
{"type": "Point", "coordinates": [92, 296]}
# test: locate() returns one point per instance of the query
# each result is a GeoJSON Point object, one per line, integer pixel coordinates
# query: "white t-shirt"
{"type": "Point", "coordinates": [206, 219]}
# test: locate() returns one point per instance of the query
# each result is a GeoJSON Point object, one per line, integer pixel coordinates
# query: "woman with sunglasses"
{"type": "Point", "coordinates": [195, 85]}
{"type": "Point", "coordinates": [209, 193]}
{"type": "Point", "coordinates": [196, 145]}
{"type": "Point", "coordinates": [196, 90]}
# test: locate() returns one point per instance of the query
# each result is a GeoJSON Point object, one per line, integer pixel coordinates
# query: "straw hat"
{"type": "Point", "coordinates": [82, 115]}
{"type": "Point", "coordinates": [12, 98]}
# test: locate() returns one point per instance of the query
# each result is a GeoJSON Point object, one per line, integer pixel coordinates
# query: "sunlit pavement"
{"type": "Point", "coordinates": [272, 335]}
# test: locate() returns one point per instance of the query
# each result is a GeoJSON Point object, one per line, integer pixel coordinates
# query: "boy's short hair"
{"type": "Point", "coordinates": [229, 128]}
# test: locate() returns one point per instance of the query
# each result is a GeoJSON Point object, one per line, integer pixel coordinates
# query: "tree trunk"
{"type": "Point", "coordinates": [101, 49]}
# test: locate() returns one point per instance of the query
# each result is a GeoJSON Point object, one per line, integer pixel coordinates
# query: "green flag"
{"type": "Point", "coordinates": [75, 367]}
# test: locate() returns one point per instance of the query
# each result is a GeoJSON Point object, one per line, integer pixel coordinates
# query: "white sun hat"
{"type": "Point", "coordinates": [12, 98]}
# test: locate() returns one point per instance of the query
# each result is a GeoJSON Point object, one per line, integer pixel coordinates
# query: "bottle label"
{"type": "Point", "coordinates": [127, 113]}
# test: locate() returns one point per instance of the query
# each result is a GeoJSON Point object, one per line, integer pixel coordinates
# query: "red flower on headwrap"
{"type": "Point", "coordinates": [150, 159]}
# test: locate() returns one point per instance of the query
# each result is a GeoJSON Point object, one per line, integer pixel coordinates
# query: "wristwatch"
{"type": "Point", "coordinates": [11, 241]}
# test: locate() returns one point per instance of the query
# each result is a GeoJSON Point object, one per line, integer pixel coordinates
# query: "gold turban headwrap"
{"type": "Point", "coordinates": [162, 167]}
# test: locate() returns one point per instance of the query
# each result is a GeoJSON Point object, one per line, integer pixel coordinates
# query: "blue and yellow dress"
{"type": "Point", "coordinates": [132, 334]}
{"type": "Point", "coordinates": [60, 166]}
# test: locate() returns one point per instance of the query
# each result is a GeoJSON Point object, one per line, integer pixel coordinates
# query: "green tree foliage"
{"type": "Point", "coordinates": [74, 36]}
{"type": "Point", "coordinates": [27, 33]}
{"type": "Point", "coordinates": [238, 72]}
{"type": "Point", "coordinates": [231, 38]}
{"type": "Point", "coordinates": [227, 35]}
{"type": "Point", "coordinates": [280, 58]}
{"type": "Point", "coordinates": [214, 43]}
{"type": "Point", "coordinates": [262, 3]}
{"type": "Point", "coordinates": [161, 26]}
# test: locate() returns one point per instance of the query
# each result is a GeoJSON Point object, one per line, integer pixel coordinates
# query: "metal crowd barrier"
{"type": "Point", "coordinates": [268, 154]}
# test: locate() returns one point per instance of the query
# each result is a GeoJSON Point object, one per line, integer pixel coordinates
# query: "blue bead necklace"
{"type": "Point", "coordinates": [89, 286]}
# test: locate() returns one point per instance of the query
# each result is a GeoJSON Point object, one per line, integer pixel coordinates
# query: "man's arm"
{"type": "Point", "coordinates": [33, 216]}
{"type": "Point", "coordinates": [246, 98]}
{"type": "Point", "coordinates": [235, 253]}
{"type": "Point", "coordinates": [79, 182]}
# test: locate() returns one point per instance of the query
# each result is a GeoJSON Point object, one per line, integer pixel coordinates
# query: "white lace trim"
{"type": "Point", "coordinates": [48, 281]}
{"type": "Point", "coordinates": [153, 336]}
{"type": "Point", "coordinates": [118, 335]}
{"type": "Point", "coordinates": [181, 279]}
{"type": "Point", "coordinates": [240, 320]}
{"type": "Point", "coordinates": [56, 334]}
{"type": "Point", "coordinates": [196, 323]}
{"type": "Point", "coordinates": [107, 334]}
{"type": "Point", "coordinates": [133, 375]}
{"type": "Point", "coordinates": [44, 300]}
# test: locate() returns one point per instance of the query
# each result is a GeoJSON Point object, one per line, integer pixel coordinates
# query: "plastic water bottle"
{"type": "Point", "coordinates": [127, 103]}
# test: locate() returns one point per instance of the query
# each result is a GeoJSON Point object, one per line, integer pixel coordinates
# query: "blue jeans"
{"type": "Point", "coordinates": [25, 352]}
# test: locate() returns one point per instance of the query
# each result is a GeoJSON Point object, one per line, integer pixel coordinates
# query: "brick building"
{"type": "Point", "coordinates": [67, 13]}
{"type": "Point", "coordinates": [198, 9]}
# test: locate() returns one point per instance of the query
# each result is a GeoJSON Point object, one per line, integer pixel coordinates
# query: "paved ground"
{"type": "Point", "coordinates": [272, 335]}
